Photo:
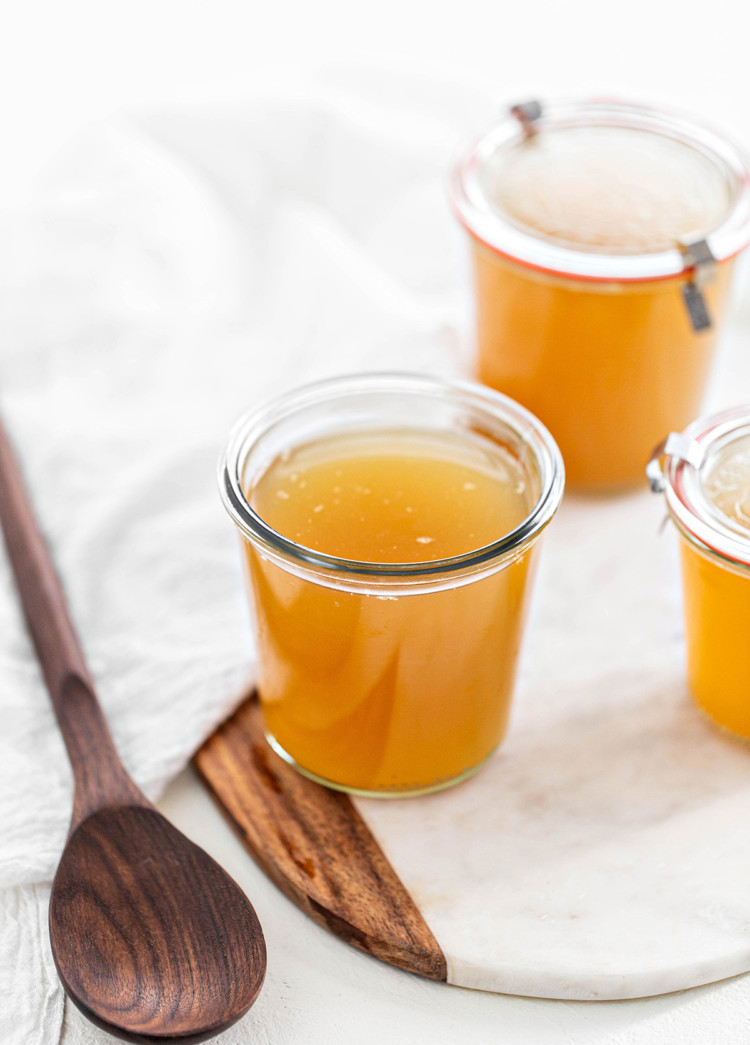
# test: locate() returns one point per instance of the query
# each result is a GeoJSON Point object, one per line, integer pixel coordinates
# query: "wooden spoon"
{"type": "Point", "coordinates": [153, 941]}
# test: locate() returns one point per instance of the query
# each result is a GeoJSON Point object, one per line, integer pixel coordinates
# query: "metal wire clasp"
{"type": "Point", "coordinates": [675, 445]}
{"type": "Point", "coordinates": [700, 261]}
{"type": "Point", "coordinates": [527, 113]}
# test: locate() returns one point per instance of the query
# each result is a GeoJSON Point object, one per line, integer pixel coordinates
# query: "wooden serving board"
{"type": "Point", "coordinates": [602, 853]}
{"type": "Point", "coordinates": [317, 848]}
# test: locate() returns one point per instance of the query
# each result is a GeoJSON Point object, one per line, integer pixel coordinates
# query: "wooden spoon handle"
{"type": "Point", "coordinates": [100, 778]}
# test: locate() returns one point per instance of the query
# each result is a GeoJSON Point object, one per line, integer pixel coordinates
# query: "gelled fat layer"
{"type": "Point", "coordinates": [727, 484]}
{"type": "Point", "coordinates": [608, 190]}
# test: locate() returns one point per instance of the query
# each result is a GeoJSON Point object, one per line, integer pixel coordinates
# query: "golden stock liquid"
{"type": "Point", "coordinates": [389, 692]}
{"type": "Point", "coordinates": [607, 367]}
{"type": "Point", "coordinates": [717, 603]}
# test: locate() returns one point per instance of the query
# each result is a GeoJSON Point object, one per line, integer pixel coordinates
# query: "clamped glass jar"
{"type": "Point", "coordinates": [603, 238]}
{"type": "Point", "coordinates": [389, 668]}
{"type": "Point", "coordinates": [704, 473]}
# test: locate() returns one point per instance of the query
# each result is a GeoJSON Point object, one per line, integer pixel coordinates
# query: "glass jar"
{"type": "Point", "coordinates": [603, 239]}
{"type": "Point", "coordinates": [705, 475]}
{"type": "Point", "coordinates": [388, 678]}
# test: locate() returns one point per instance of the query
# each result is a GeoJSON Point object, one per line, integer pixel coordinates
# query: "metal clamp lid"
{"type": "Point", "coordinates": [527, 113]}
{"type": "Point", "coordinates": [682, 466]}
{"type": "Point", "coordinates": [700, 262]}
{"type": "Point", "coordinates": [675, 445]}
{"type": "Point", "coordinates": [476, 207]}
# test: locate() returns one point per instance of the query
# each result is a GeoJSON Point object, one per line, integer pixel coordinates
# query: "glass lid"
{"type": "Point", "coordinates": [705, 475]}
{"type": "Point", "coordinates": [602, 190]}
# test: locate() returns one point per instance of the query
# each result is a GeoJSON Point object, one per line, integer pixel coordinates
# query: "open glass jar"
{"type": "Point", "coordinates": [603, 239]}
{"type": "Point", "coordinates": [705, 475]}
{"type": "Point", "coordinates": [376, 676]}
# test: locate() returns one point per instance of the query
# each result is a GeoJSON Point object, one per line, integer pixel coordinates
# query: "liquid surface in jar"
{"type": "Point", "coordinates": [608, 190]}
{"type": "Point", "coordinates": [717, 624]}
{"type": "Point", "coordinates": [394, 496]}
{"type": "Point", "coordinates": [727, 484]}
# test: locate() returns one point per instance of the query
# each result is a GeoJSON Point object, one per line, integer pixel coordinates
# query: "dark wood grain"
{"type": "Point", "coordinates": [148, 939]}
{"type": "Point", "coordinates": [97, 768]}
{"type": "Point", "coordinates": [152, 939]}
{"type": "Point", "coordinates": [313, 843]}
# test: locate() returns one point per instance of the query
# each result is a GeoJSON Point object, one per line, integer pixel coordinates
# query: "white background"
{"type": "Point", "coordinates": [64, 64]}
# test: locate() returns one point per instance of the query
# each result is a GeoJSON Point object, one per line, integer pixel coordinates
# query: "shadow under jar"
{"type": "Point", "coordinates": [706, 481]}
{"type": "Point", "coordinates": [603, 239]}
{"type": "Point", "coordinates": [389, 526]}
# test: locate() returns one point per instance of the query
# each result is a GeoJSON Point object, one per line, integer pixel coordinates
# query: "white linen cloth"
{"type": "Point", "coordinates": [172, 270]}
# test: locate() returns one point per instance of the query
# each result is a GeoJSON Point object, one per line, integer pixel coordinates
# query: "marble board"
{"type": "Point", "coordinates": [603, 852]}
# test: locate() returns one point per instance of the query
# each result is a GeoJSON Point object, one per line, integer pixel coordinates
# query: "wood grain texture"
{"type": "Point", "coordinates": [314, 845]}
{"type": "Point", "coordinates": [150, 942]}
{"type": "Point", "coordinates": [97, 768]}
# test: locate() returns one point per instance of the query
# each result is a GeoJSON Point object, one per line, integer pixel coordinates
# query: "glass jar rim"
{"type": "Point", "coordinates": [252, 425]}
{"type": "Point", "coordinates": [500, 235]}
{"type": "Point", "coordinates": [689, 457]}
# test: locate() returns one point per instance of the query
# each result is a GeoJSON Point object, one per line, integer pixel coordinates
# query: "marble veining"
{"type": "Point", "coordinates": [603, 852]}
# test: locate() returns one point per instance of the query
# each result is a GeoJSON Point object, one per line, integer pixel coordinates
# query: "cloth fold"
{"type": "Point", "coordinates": [173, 269]}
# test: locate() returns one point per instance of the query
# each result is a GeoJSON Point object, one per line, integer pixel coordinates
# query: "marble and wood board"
{"type": "Point", "coordinates": [602, 853]}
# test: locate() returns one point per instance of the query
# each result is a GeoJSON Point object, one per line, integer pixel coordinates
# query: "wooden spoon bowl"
{"type": "Point", "coordinates": [151, 938]}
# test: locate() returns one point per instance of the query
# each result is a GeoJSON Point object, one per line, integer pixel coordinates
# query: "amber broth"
{"type": "Point", "coordinates": [389, 692]}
